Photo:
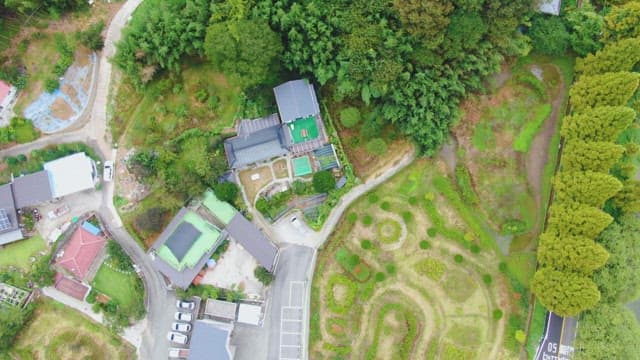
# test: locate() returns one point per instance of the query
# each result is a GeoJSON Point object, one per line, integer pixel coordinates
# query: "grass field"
{"type": "Point", "coordinates": [18, 253]}
{"type": "Point", "coordinates": [118, 286]}
{"type": "Point", "coordinates": [385, 287]}
{"type": "Point", "coordinates": [58, 332]}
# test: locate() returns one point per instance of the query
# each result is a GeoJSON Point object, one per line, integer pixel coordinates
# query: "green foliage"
{"type": "Point", "coordinates": [608, 331]}
{"type": "Point", "coordinates": [463, 180]}
{"type": "Point", "coordinates": [151, 220]}
{"type": "Point", "coordinates": [220, 250]}
{"type": "Point", "coordinates": [323, 181]}
{"type": "Point", "coordinates": [628, 199]}
{"type": "Point", "coordinates": [404, 348]}
{"type": "Point", "coordinates": [576, 220]}
{"type": "Point", "coordinates": [565, 293]}
{"type": "Point", "coordinates": [458, 258]}
{"type": "Point", "coordinates": [514, 227]}
{"type": "Point", "coordinates": [274, 206]}
{"type": "Point", "coordinates": [165, 31]}
{"type": "Point", "coordinates": [376, 146]}
{"type": "Point", "coordinates": [233, 47]}
{"type": "Point", "coordinates": [366, 244]}
{"type": "Point", "coordinates": [497, 314]}
{"type": "Point", "coordinates": [585, 26]}
{"type": "Point", "coordinates": [373, 198]}
{"type": "Point", "coordinates": [432, 268]}
{"type": "Point", "coordinates": [203, 291]}
{"type": "Point", "coordinates": [622, 22]}
{"type": "Point", "coordinates": [349, 117]}
{"type": "Point", "coordinates": [226, 191]}
{"type": "Point", "coordinates": [352, 263]}
{"type": "Point", "coordinates": [51, 85]}
{"type": "Point", "coordinates": [379, 277]}
{"type": "Point", "coordinates": [487, 279]}
{"type": "Point", "coordinates": [549, 35]}
{"type": "Point", "coordinates": [263, 275]}
{"type": "Point", "coordinates": [432, 232]}
{"type": "Point", "coordinates": [117, 257]}
{"type": "Point", "coordinates": [424, 245]}
{"type": "Point", "coordinates": [610, 89]}
{"type": "Point", "coordinates": [391, 269]}
{"type": "Point", "coordinates": [618, 280]}
{"type": "Point", "coordinates": [585, 187]}
{"type": "Point", "coordinates": [367, 220]}
{"type": "Point", "coordinates": [523, 141]}
{"type": "Point", "coordinates": [20, 130]}
{"type": "Point", "coordinates": [483, 137]}
{"type": "Point", "coordinates": [385, 205]}
{"type": "Point", "coordinates": [12, 320]}
{"type": "Point", "coordinates": [603, 123]}
{"type": "Point", "coordinates": [597, 156]}
{"type": "Point", "coordinates": [576, 254]}
{"type": "Point", "coordinates": [352, 218]}
{"type": "Point", "coordinates": [92, 37]}
{"type": "Point", "coordinates": [622, 55]}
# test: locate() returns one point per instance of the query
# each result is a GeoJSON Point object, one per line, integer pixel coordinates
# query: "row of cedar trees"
{"type": "Point", "coordinates": [595, 182]}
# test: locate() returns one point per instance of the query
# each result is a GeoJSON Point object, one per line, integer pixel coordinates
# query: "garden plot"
{"type": "Point", "coordinates": [405, 276]}
{"type": "Point", "coordinates": [53, 112]}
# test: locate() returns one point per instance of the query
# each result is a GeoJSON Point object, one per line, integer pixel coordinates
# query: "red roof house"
{"type": "Point", "coordinates": [80, 252]}
{"type": "Point", "coordinates": [4, 90]}
{"type": "Point", "coordinates": [71, 287]}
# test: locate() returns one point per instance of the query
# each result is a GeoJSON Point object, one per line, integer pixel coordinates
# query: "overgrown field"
{"type": "Point", "coordinates": [411, 273]}
{"type": "Point", "coordinates": [58, 332]}
{"type": "Point", "coordinates": [507, 146]}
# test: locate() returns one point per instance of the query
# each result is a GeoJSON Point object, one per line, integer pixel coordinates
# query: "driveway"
{"type": "Point", "coordinates": [283, 334]}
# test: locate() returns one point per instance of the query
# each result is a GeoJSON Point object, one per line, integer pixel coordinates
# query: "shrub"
{"type": "Point", "coordinates": [92, 37]}
{"type": "Point", "coordinates": [151, 220]}
{"type": "Point", "coordinates": [432, 232]}
{"type": "Point", "coordinates": [458, 258]}
{"type": "Point", "coordinates": [373, 198]}
{"type": "Point", "coordinates": [376, 146]}
{"type": "Point", "coordinates": [407, 216]}
{"type": "Point", "coordinates": [413, 200]}
{"type": "Point", "coordinates": [264, 276]}
{"type": "Point", "coordinates": [119, 259]}
{"type": "Point", "coordinates": [502, 266]}
{"type": "Point", "coordinates": [380, 276]}
{"type": "Point", "coordinates": [391, 269]}
{"type": "Point", "coordinates": [432, 268]}
{"type": "Point", "coordinates": [367, 220]}
{"type": "Point", "coordinates": [463, 180]}
{"type": "Point", "coordinates": [514, 227]}
{"type": "Point", "coordinates": [323, 181]}
{"type": "Point", "coordinates": [51, 85]}
{"type": "Point", "coordinates": [352, 218]}
{"type": "Point", "coordinates": [366, 244]}
{"type": "Point", "coordinates": [349, 117]}
{"type": "Point", "coordinates": [475, 249]}
{"type": "Point", "coordinates": [385, 206]}
{"type": "Point", "coordinates": [486, 278]}
{"type": "Point", "coordinates": [497, 314]}
{"type": "Point", "coordinates": [424, 245]}
{"type": "Point", "coordinates": [549, 35]}
{"type": "Point", "coordinates": [226, 191]}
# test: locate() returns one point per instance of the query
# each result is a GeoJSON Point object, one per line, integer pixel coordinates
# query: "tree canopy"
{"type": "Point", "coordinates": [622, 22]}
{"type": "Point", "coordinates": [608, 332]}
{"type": "Point", "coordinates": [323, 181]}
{"type": "Point", "coordinates": [590, 156]}
{"type": "Point", "coordinates": [571, 253]}
{"type": "Point", "coordinates": [585, 187]}
{"type": "Point", "coordinates": [576, 220]}
{"type": "Point", "coordinates": [610, 89]}
{"type": "Point", "coordinates": [549, 35]}
{"type": "Point", "coordinates": [618, 56]}
{"type": "Point", "coordinates": [603, 123]}
{"type": "Point", "coordinates": [585, 26]}
{"type": "Point", "coordinates": [564, 293]}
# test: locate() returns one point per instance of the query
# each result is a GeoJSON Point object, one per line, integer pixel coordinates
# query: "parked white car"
{"type": "Point", "coordinates": [177, 338]}
{"type": "Point", "coordinates": [185, 305]}
{"type": "Point", "coordinates": [177, 353]}
{"type": "Point", "coordinates": [180, 316]}
{"type": "Point", "coordinates": [182, 327]}
{"type": "Point", "coordinates": [107, 173]}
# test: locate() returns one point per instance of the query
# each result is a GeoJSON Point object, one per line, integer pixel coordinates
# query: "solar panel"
{"type": "Point", "coordinates": [4, 220]}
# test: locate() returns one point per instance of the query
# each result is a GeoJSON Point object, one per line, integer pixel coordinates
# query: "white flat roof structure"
{"type": "Point", "coordinates": [551, 7]}
{"type": "Point", "coordinates": [70, 174]}
{"type": "Point", "coordinates": [249, 314]}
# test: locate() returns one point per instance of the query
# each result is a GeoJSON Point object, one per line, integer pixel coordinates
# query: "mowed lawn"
{"type": "Point", "coordinates": [120, 287]}
{"type": "Point", "coordinates": [58, 332]}
{"type": "Point", "coordinates": [18, 253]}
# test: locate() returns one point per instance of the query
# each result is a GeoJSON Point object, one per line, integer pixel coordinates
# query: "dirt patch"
{"type": "Point", "coordinates": [61, 109]}
{"type": "Point", "coordinates": [253, 180]}
{"type": "Point", "coordinates": [281, 169]}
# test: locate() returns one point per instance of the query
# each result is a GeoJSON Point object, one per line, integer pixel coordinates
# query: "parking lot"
{"type": "Point", "coordinates": [194, 315]}
{"type": "Point", "coordinates": [291, 323]}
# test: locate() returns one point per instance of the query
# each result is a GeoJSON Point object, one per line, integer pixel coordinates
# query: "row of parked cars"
{"type": "Point", "coordinates": [182, 327]}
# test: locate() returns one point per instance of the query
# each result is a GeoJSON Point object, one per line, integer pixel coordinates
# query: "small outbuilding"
{"type": "Point", "coordinates": [220, 310]}
{"type": "Point", "coordinates": [250, 314]}
{"type": "Point", "coordinates": [71, 174]}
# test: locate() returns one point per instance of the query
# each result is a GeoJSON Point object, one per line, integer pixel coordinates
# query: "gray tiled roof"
{"type": "Point", "coordinates": [210, 341]}
{"type": "Point", "coordinates": [221, 309]}
{"type": "Point", "coordinates": [261, 145]}
{"type": "Point", "coordinates": [182, 239]}
{"type": "Point", "coordinates": [32, 189]}
{"type": "Point", "coordinates": [247, 127]}
{"type": "Point", "coordinates": [7, 204]}
{"type": "Point", "coordinates": [253, 240]}
{"type": "Point", "coordinates": [296, 99]}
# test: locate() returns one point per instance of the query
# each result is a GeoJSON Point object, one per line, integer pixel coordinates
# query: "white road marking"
{"type": "Point", "coordinates": [295, 314]}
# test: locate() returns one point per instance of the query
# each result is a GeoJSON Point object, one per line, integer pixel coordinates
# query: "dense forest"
{"type": "Point", "coordinates": [410, 61]}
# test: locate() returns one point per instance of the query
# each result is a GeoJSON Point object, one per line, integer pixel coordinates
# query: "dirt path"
{"type": "Point", "coordinates": [538, 154]}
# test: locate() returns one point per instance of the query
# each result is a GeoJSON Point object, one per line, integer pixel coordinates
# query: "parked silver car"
{"type": "Point", "coordinates": [185, 305]}
{"type": "Point", "coordinates": [181, 316]}
{"type": "Point", "coordinates": [182, 327]}
{"type": "Point", "coordinates": [177, 338]}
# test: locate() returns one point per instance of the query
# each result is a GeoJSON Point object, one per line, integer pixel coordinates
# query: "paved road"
{"type": "Point", "coordinates": [283, 334]}
{"type": "Point", "coordinates": [557, 343]}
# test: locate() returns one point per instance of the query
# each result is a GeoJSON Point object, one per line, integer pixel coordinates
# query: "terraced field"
{"type": "Point", "coordinates": [404, 276]}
